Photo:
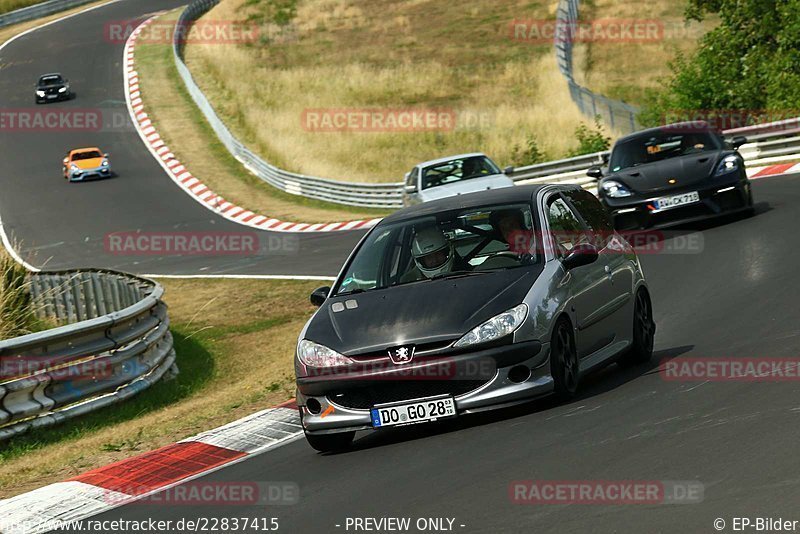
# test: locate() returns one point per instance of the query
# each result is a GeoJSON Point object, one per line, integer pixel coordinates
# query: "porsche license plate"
{"type": "Point", "coordinates": [413, 412]}
{"type": "Point", "coordinates": [677, 200]}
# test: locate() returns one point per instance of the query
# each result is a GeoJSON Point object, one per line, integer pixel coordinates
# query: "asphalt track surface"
{"type": "Point", "coordinates": [63, 225]}
{"type": "Point", "coordinates": [737, 298]}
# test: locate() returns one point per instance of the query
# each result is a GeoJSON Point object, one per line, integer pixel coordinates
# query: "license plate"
{"type": "Point", "coordinates": [677, 200]}
{"type": "Point", "coordinates": [413, 412]}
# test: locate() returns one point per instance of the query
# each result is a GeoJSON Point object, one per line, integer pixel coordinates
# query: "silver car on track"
{"type": "Point", "coordinates": [468, 304]}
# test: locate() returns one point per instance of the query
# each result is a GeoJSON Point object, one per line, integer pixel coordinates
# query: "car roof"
{"type": "Point", "coordinates": [505, 195]}
{"type": "Point", "coordinates": [50, 75]}
{"type": "Point", "coordinates": [87, 149]}
{"type": "Point", "coordinates": [677, 127]}
{"type": "Point", "coordinates": [449, 158]}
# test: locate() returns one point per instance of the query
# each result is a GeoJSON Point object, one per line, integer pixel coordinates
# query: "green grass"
{"type": "Point", "coordinates": [234, 341]}
{"type": "Point", "coordinates": [11, 5]}
{"type": "Point", "coordinates": [196, 366]}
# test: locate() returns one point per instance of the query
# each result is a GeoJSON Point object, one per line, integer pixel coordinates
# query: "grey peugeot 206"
{"type": "Point", "coordinates": [466, 304]}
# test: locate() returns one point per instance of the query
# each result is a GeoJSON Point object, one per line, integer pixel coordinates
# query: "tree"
{"type": "Point", "coordinates": [750, 61]}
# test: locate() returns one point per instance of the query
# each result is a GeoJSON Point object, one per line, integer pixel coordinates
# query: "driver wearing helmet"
{"type": "Point", "coordinates": [433, 254]}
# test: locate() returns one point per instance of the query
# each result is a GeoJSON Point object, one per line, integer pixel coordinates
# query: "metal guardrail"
{"type": "Point", "coordinates": [769, 143]}
{"type": "Point", "coordinates": [618, 115]}
{"type": "Point", "coordinates": [38, 10]}
{"type": "Point", "coordinates": [353, 194]}
{"type": "Point", "coordinates": [115, 344]}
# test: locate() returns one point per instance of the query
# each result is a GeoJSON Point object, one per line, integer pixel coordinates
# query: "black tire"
{"type": "Point", "coordinates": [644, 331]}
{"type": "Point", "coordinates": [330, 442]}
{"type": "Point", "coordinates": [564, 362]}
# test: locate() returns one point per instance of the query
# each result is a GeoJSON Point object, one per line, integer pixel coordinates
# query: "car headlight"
{"type": "Point", "coordinates": [615, 189]}
{"type": "Point", "coordinates": [62, 90]}
{"type": "Point", "coordinates": [316, 355]}
{"type": "Point", "coordinates": [74, 167]}
{"type": "Point", "coordinates": [727, 165]}
{"type": "Point", "coordinates": [105, 163]}
{"type": "Point", "coordinates": [496, 327]}
{"type": "Point", "coordinates": [40, 93]}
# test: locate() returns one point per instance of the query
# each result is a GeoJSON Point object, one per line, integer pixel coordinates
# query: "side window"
{"type": "Point", "coordinates": [594, 214]}
{"type": "Point", "coordinates": [566, 228]}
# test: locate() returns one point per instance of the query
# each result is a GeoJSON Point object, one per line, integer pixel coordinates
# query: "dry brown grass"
{"type": "Point", "coordinates": [625, 70]}
{"type": "Point", "coordinates": [11, 31]}
{"type": "Point", "coordinates": [192, 141]}
{"type": "Point", "coordinates": [386, 54]}
{"type": "Point", "coordinates": [16, 309]}
{"type": "Point", "coordinates": [249, 328]}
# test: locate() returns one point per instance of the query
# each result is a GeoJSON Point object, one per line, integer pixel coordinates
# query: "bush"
{"type": "Point", "coordinates": [529, 155]}
{"type": "Point", "coordinates": [590, 140]}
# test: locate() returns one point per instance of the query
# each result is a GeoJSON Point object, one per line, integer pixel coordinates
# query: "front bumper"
{"type": "Point", "coordinates": [53, 97]}
{"type": "Point", "coordinates": [478, 381]}
{"type": "Point", "coordinates": [89, 174]}
{"type": "Point", "coordinates": [716, 199]}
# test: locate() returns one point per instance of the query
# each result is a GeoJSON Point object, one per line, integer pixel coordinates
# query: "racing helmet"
{"type": "Point", "coordinates": [432, 251]}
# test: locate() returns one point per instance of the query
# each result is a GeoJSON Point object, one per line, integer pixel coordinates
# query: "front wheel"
{"type": "Point", "coordinates": [565, 366]}
{"type": "Point", "coordinates": [644, 331]}
{"type": "Point", "coordinates": [330, 442]}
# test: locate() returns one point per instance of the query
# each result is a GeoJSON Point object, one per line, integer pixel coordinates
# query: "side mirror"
{"type": "Point", "coordinates": [105, 155]}
{"type": "Point", "coordinates": [508, 170]}
{"type": "Point", "coordinates": [581, 255]}
{"type": "Point", "coordinates": [65, 160]}
{"type": "Point", "coordinates": [594, 172]}
{"type": "Point", "coordinates": [738, 141]}
{"type": "Point", "coordinates": [409, 189]}
{"type": "Point", "coordinates": [320, 295]}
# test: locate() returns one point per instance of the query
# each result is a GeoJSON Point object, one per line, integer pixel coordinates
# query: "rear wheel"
{"type": "Point", "coordinates": [565, 366]}
{"type": "Point", "coordinates": [644, 331]}
{"type": "Point", "coordinates": [330, 442]}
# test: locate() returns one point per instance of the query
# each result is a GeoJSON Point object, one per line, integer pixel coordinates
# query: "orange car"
{"type": "Point", "coordinates": [85, 163]}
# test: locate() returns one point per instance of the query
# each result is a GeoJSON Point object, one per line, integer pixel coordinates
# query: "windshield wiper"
{"type": "Point", "coordinates": [456, 274]}
{"type": "Point", "coordinates": [352, 292]}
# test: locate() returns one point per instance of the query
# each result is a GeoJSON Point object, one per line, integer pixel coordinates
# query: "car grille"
{"type": "Point", "coordinates": [420, 350]}
{"type": "Point", "coordinates": [52, 91]}
{"type": "Point", "coordinates": [683, 212]}
{"type": "Point", "coordinates": [366, 397]}
{"type": "Point", "coordinates": [730, 200]}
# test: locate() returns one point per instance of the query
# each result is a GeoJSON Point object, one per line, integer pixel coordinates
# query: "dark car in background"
{"type": "Point", "coordinates": [672, 175]}
{"type": "Point", "coordinates": [51, 88]}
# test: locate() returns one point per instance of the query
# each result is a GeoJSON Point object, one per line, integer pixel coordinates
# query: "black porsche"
{"type": "Point", "coordinates": [52, 87]}
{"type": "Point", "coordinates": [673, 175]}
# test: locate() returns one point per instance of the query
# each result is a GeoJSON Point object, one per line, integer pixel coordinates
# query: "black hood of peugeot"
{"type": "Point", "coordinates": [685, 170]}
{"type": "Point", "coordinates": [428, 311]}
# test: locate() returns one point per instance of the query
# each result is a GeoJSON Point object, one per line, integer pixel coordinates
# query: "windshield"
{"type": "Point", "coordinates": [452, 243]}
{"type": "Point", "coordinates": [660, 146]}
{"type": "Point", "coordinates": [89, 154]}
{"type": "Point", "coordinates": [457, 170]}
{"type": "Point", "coordinates": [49, 80]}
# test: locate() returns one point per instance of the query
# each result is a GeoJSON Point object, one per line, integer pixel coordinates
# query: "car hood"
{"type": "Point", "coordinates": [88, 163]}
{"type": "Point", "coordinates": [51, 86]}
{"type": "Point", "coordinates": [655, 177]}
{"type": "Point", "coordinates": [429, 311]}
{"type": "Point", "coordinates": [493, 181]}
